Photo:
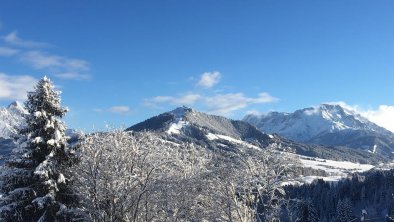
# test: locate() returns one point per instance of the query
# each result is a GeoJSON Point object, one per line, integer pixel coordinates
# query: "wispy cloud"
{"type": "Point", "coordinates": [227, 104]}
{"type": "Point", "coordinates": [116, 109]}
{"type": "Point", "coordinates": [43, 60]}
{"type": "Point", "coordinates": [13, 39]}
{"type": "Point", "coordinates": [383, 116]}
{"type": "Point", "coordinates": [254, 112]}
{"type": "Point", "coordinates": [187, 99]}
{"type": "Point", "coordinates": [15, 87]}
{"type": "Point", "coordinates": [72, 75]}
{"type": "Point", "coordinates": [220, 104]}
{"type": "Point", "coordinates": [119, 109]}
{"type": "Point", "coordinates": [209, 79]}
{"type": "Point", "coordinates": [6, 51]}
{"type": "Point", "coordinates": [32, 54]}
{"type": "Point", "coordinates": [63, 67]}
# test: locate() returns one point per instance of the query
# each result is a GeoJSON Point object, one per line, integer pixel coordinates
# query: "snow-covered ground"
{"type": "Point", "coordinates": [334, 167]}
{"type": "Point", "coordinates": [336, 170]}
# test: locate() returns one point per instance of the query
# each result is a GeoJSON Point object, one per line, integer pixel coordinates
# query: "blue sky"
{"type": "Point", "coordinates": [122, 62]}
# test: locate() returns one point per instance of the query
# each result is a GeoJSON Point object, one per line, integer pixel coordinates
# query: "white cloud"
{"type": "Point", "coordinates": [60, 66]}
{"type": "Point", "coordinates": [209, 79]}
{"type": "Point", "coordinates": [119, 109]}
{"type": "Point", "coordinates": [76, 64]}
{"type": "Point", "coordinates": [15, 87]}
{"type": "Point", "coordinates": [6, 51]}
{"type": "Point", "coordinates": [40, 60]}
{"type": "Point", "coordinates": [254, 112]}
{"type": "Point", "coordinates": [227, 104]}
{"type": "Point", "coordinates": [382, 116]}
{"type": "Point", "coordinates": [65, 68]}
{"type": "Point", "coordinates": [115, 109]}
{"type": "Point", "coordinates": [72, 75]}
{"type": "Point", "coordinates": [220, 104]}
{"type": "Point", "coordinates": [13, 39]}
{"type": "Point", "coordinates": [187, 99]}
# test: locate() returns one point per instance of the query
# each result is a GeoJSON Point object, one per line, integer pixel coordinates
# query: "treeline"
{"type": "Point", "coordinates": [368, 196]}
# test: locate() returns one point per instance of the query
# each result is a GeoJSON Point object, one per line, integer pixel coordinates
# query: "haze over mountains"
{"type": "Point", "coordinates": [327, 124]}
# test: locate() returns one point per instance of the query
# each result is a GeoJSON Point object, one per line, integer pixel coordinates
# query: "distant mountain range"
{"type": "Point", "coordinates": [217, 132]}
{"type": "Point", "coordinates": [329, 125]}
{"type": "Point", "coordinates": [11, 118]}
{"type": "Point", "coordinates": [326, 131]}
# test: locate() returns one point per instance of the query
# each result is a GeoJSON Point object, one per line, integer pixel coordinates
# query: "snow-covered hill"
{"type": "Point", "coordinates": [11, 117]}
{"type": "Point", "coordinates": [184, 123]}
{"type": "Point", "coordinates": [327, 124]}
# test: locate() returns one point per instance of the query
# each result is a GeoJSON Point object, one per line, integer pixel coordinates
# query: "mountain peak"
{"type": "Point", "coordinates": [11, 118]}
{"type": "Point", "coordinates": [181, 111]}
{"type": "Point", "coordinates": [184, 122]}
{"type": "Point", "coordinates": [17, 107]}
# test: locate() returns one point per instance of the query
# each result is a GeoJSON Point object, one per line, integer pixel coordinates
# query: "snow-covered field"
{"type": "Point", "coordinates": [336, 170]}
{"type": "Point", "coordinates": [334, 167]}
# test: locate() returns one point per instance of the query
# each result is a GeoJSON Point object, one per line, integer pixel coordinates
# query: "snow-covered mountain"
{"type": "Point", "coordinates": [327, 124]}
{"type": "Point", "coordinates": [217, 132]}
{"type": "Point", "coordinates": [188, 124]}
{"type": "Point", "coordinates": [11, 117]}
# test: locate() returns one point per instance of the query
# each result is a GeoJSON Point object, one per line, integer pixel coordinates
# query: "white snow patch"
{"type": "Point", "coordinates": [212, 136]}
{"type": "Point", "coordinates": [175, 128]}
{"type": "Point", "coordinates": [51, 142]}
{"type": "Point", "coordinates": [61, 179]}
{"type": "Point", "coordinates": [37, 140]}
{"type": "Point", "coordinates": [373, 149]}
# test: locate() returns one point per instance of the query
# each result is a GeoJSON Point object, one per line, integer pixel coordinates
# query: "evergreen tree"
{"type": "Point", "coordinates": [306, 212]}
{"type": "Point", "coordinates": [390, 210]}
{"type": "Point", "coordinates": [35, 183]}
{"type": "Point", "coordinates": [344, 210]}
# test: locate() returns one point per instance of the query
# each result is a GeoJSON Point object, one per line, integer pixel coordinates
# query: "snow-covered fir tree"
{"type": "Point", "coordinates": [35, 184]}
